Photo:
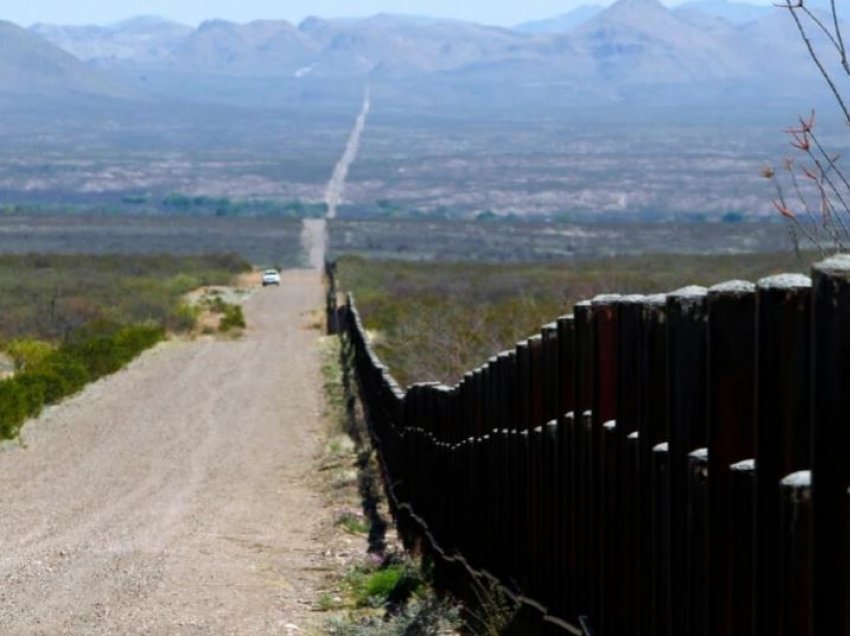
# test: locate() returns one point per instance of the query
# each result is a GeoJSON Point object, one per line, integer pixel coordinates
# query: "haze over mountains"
{"type": "Point", "coordinates": [635, 110]}
{"type": "Point", "coordinates": [633, 50]}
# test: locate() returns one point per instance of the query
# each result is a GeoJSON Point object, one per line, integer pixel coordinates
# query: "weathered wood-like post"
{"type": "Point", "coordinates": [660, 544]}
{"type": "Point", "coordinates": [783, 415]}
{"type": "Point", "coordinates": [554, 579]}
{"type": "Point", "coordinates": [535, 464]}
{"type": "Point", "coordinates": [687, 426]}
{"type": "Point", "coordinates": [634, 491]}
{"type": "Point", "coordinates": [731, 428]}
{"type": "Point", "coordinates": [830, 442]}
{"type": "Point", "coordinates": [611, 620]}
{"type": "Point", "coordinates": [502, 468]}
{"type": "Point", "coordinates": [795, 555]}
{"type": "Point", "coordinates": [583, 324]}
{"type": "Point", "coordinates": [567, 467]}
{"type": "Point", "coordinates": [652, 430]}
{"type": "Point", "coordinates": [697, 529]}
{"type": "Point", "coordinates": [606, 606]}
{"type": "Point", "coordinates": [743, 483]}
{"type": "Point", "coordinates": [550, 541]}
{"type": "Point", "coordinates": [626, 533]}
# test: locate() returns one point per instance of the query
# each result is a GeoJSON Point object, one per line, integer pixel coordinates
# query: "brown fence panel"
{"type": "Point", "coordinates": [602, 471]}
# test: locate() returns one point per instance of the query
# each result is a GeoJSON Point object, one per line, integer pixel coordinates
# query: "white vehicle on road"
{"type": "Point", "coordinates": [271, 277]}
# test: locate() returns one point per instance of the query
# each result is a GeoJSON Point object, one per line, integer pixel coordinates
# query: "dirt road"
{"type": "Point", "coordinates": [174, 497]}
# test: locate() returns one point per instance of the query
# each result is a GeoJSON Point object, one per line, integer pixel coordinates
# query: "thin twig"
{"type": "Point", "coordinates": [804, 35]}
{"type": "Point", "coordinates": [841, 48]}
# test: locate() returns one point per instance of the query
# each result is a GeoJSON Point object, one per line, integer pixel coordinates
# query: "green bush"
{"type": "Point", "coordinates": [56, 386]}
{"type": "Point", "coordinates": [70, 368]}
{"type": "Point", "coordinates": [96, 351]}
{"type": "Point", "coordinates": [233, 318]}
{"type": "Point", "coordinates": [33, 390]}
{"type": "Point", "coordinates": [28, 352]}
{"type": "Point", "coordinates": [12, 408]}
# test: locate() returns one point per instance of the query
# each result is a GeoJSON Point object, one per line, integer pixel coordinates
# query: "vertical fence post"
{"type": "Point", "coordinates": [661, 539]}
{"type": "Point", "coordinates": [534, 440]}
{"type": "Point", "coordinates": [687, 427]}
{"type": "Point", "coordinates": [830, 441]}
{"type": "Point", "coordinates": [697, 529]}
{"type": "Point", "coordinates": [783, 446]}
{"type": "Point", "coordinates": [634, 490]}
{"type": "Point", "coordinates": [583, 316]}
{"type": "Point", "coordinates": [606, 607]}
{"type": "Point", "coordinates": [567, 475]}
{"type": "Point", "coordinates": [795, 555]}
{"type": "Point", "coordinates": [731, 409]}
{"type": "Point", "coordinates": [743, 485]}
{"type": "Point", "coordinates": [626, 529]}
{"type": "Point", "coordinates": [552, 585]}
{"type": "Point", "coordinates": [652, 430]}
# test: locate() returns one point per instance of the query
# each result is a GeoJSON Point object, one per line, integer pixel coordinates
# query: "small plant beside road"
{"type": "Point", "coordinates": [46, 375]}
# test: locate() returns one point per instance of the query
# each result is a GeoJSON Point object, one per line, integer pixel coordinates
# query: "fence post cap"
{"type": "Point", "coordinates": [732, 288]}
{"type": "Point", "coordinates": [785, 281]}
{"type": "Point", "coordinates": [838, 265]}
{"type": "Point", "coordinates": [631, 299]}
{"type": "Point", "coordinates": [700, 454]}
{"type": "Point", "coordinates": [745, 466]}
{"type": "Point", "coordinates": [688, 293]}
{"type": "Point", "coordinates": [606, 299]}
{"type": "Point", "coordinates": [799, 479]}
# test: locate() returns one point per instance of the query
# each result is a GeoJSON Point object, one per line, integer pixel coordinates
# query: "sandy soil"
{"type": "Point", "coordinates": [177, 496]}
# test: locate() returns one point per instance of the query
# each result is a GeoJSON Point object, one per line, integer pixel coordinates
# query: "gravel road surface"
{"type": "Point", "coordinates": [175, 496]}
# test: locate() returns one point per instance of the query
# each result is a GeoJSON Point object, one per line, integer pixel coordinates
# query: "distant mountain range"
{"type": "Point", "coordinates": [30, 65]}
{"type": "Point", "coordinates": [591, 55]}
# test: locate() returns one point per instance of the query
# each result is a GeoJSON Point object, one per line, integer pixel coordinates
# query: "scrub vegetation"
{"type": "Point", "coordinates": [435, 321]}
{"type": "Point", "coordinates": [69, 320]}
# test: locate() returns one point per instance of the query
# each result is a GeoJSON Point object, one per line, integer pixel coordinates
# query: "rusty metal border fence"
{"type": "Point", "coordinates": [660, 465]}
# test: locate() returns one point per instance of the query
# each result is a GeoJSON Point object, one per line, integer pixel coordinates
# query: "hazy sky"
{"type": "Point", "coordinates": [501, 12]}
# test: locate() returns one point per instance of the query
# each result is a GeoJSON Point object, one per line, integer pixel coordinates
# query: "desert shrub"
{"type": "Point", "coordinates": [68, 368]}
{"type": "Point", "coordinates": [55, 385]}
{"type": "Point", "coordinates": [233, 318]}
{"type": "Point", "coordinates": [100, 311]}
{"type": "Point", "coordinates": [104, 354]}
{"type": "Point", "coordinates": [33, 391]}
{"type": "Point", "coordinates": [28, 352]}
{"type": "Point", "coordinates": [50, 296]}
{"type": "Point", "coordinates": [182, 318]}
{"type": "Point", "coordinates": [435, 321]}
{"type": "Point", "coordinates": [12, 408]}
{"type": "Point", "coordinates": [75, 374]}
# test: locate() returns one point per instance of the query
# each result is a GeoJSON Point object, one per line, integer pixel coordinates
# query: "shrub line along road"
{"type": "Point", "coordinates": [176, 496]}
